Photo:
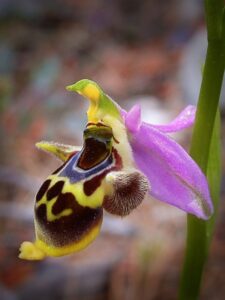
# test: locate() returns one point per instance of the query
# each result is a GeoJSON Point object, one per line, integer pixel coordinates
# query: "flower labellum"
{"type": "Point", "coordinates": [122, 159]}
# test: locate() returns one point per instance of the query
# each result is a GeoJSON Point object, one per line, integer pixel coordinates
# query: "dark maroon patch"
{"type": "Point", "coordinates": [41, 211]}
{"type": "Point", "coordinates": [90, 186]}
{"type": "Point", "coordinates": [93, 153]}
{"type": "Point", "coordinates": [64, 201]}
{"type": "Point", "coordinates": [55, 190]}
{"type": "Point", "coordinates": [119, 164]}
{"type": "Point", "coordinates": [43, 190]}
{"type": "Point", "coordinates": [68, 229]}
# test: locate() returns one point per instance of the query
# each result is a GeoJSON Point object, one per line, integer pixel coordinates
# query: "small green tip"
{"type": "Point", "coordinates": [80, 85]}
{"type": "Point", "coordinates": [70, 88]}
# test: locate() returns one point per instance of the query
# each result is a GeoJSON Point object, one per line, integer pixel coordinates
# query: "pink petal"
{"type": "Point", "coordinates": [133, 119]}
{"type": "Point", "coordinates": [184, 120]}
{"type": "Point", "coordinates": [174, 177]}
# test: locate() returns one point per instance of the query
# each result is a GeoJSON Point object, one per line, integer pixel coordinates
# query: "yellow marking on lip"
{"type": "Point", "coordinates": [39, 250]}
{"type": "Point", "coordinates": [74, 247]}
{"type": "Point", "coordinates": [52, 217]}
{"type": "Point", "coordinates": [49, 204]}
{"type": "Point", "coordinates": [95, 200]}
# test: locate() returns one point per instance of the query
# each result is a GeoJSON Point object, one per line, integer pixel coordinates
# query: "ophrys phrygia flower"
{"type": "Point", "coordinates": [122, 159]}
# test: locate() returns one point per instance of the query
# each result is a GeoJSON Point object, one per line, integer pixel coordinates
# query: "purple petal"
{"type": "Point", "coordinates": [174, 177]}
{"type": "Point", "coordinates": [184, 120]}
{"type": "Point", "coordinates": [133, 119]}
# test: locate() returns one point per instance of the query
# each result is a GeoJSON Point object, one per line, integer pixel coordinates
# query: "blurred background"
{"type": "Point", "coordinates": [150, 52]}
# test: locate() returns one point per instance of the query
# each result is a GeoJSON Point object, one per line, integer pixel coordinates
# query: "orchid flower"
{"type": "Point", "coordinates": [121, 161]}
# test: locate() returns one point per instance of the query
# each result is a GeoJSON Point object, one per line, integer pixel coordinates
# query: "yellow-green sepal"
{"type": "Point", "coordinates": [101, 105]}
{"type": "Point", "coordinates": [61, 151]}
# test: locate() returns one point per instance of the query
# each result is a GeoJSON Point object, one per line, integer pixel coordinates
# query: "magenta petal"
{"type": "Point", "coordinates": [184, 120]}
{"type": "Point", "coordinates": [133, 119]}
{"type": "Point", "coordinates": [173, 176]}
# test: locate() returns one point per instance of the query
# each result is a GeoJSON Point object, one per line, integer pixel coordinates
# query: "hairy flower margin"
{"type": "Point", "coordinates": [122, 159]}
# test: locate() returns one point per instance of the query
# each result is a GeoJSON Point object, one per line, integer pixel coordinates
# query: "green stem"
{"type": "Point", "coordinates": [214, 178]}
{"type": "Point", "coordinates": [204, 140]}
{"type": "Point", "coordinates": [200, 232]}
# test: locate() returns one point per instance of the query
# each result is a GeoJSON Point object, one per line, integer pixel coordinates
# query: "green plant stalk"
{"type": "Point", "coordinates": [214, 178]}
{"type": "Point", "coordinates": [200, 232]}
{"type": "Point", "coordinates": [205, 149]}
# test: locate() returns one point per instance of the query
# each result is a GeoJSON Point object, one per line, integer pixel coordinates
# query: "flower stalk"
{"type": "Point", "coordinates": [205, 148]}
